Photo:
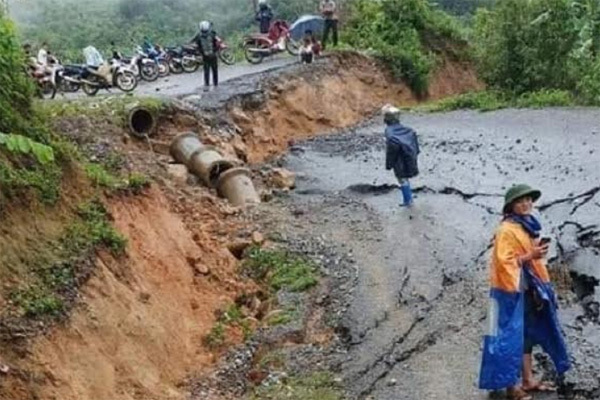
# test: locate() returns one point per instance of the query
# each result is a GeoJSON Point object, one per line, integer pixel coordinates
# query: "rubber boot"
{"type": "Point", "coordinates": [406, 194]}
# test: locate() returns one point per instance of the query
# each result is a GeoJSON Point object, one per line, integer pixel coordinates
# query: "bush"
{"type": "Point", "coordinates": [16, 90]}
{"type": "Point", "coordinates": [530, 46]}
{"type": "Point", "coordinates": [280, 269]}
{"type": "Point", "coordinates": [493, 100]}
{"type": "Point", "coordinates": [403, 34]}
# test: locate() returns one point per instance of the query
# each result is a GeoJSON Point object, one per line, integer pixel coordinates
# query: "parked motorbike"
{"type": "Point", "coordinates": [174, 57]}
{"type": "Point", "coordinates": [259, 46]}
{"type": "Point", "coordinates": [191, 58]}
{"type": "Point", "coordinates": [144, 66]}
{"type": "Point", "coordinates": [45, 78]}
{"type": "Point", "coordinates": [226, 54]}
{"type": "Point", "coordinates": [159, 57]}
{"type": "Point", "coordinates": [107, 76]}
{"type": "Point", "coordinates": [68, 78]}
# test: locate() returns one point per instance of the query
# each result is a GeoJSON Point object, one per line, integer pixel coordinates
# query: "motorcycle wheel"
{"type": "Point", "coordinates": [69, 87]}
{"type": "Point", "coordinates": [163, 68]}
{"type": "Point", "coordinates": [91, 89]}
{"type": "Point", "coordinates": [126, 81]}
{"type": "Point", "coordinates": [292, 47]}
{"type": "Point", "coordinates": [190, 66]}
{"type": "Point", "coordinates": [253, 57]}
{"type": "Point", "coordinates": [227, 56]}
{"type": "Point", "coordinates": [149, 72]}
{"type": "Point", "coordinates": [47, 90]}
{"type": "Point", "coordinates": [175, 67]}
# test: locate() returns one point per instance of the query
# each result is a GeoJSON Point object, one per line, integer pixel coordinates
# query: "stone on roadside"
{"type": "Point", "coordinates": [283, 179]}
{"type": "Point", "coordinates": [258, 238]}
{"type": "Point", "coordinates": [178, 172]}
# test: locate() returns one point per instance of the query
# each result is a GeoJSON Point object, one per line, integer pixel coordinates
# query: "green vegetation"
{"type": "Point", "coordinates": [403, 33]}
{"type": "Point", "coordinates": [280, 269]}
{"type": "Point", "coordinates": [93, 229]}
{"type": "Point", "coordinates": [37, 300]}
{"type": "Point", "coordinates": [216, 336]}
{"type": "Point", "coordinates": [494, 100]}
{"type": "Point", "coordinates": [52, 276]}
{"type": "Point", "coordinates": [282, 318]}
{"type": "Point", "coordinates": [232, 316]}
{"type": "Point", "coordinates": [540, 45]}
{"type": "Point", "coordinates": [316, 386]}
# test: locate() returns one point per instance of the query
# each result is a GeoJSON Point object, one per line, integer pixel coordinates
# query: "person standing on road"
{"type": "Point", "coordinates": [402, 150]}
{"type": "Point", "coordinates": [206, 40]}
{"type": "Point", "coordinates": [523, 305]}
{"type": "Point", "coordinates": [264, 16]}
{"type": "Point", "coordinates": [329, 11]}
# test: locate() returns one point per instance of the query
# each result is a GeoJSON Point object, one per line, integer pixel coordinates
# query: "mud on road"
{"type": "Point", "coordinates": [410, 320]}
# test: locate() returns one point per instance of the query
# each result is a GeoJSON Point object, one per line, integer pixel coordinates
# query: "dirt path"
{"type": "Point", "coordinates": [418, 309]}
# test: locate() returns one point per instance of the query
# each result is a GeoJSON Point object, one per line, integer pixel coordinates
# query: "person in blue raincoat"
{"type": "Point", "coordinates": [402, 150]}
{"type": "Point", "coordinates": [523, 305]}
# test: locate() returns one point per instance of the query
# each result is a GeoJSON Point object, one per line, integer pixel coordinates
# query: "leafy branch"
{"type": "Point", "coordinates": [20, 144]}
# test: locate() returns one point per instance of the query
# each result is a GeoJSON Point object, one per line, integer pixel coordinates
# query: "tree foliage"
{"type": "Point", "coordinates": [15, 89]}
{"type": "Point", "coordinates": [401, 33]}
{"type": "Point", "coordinates": [525, 46]}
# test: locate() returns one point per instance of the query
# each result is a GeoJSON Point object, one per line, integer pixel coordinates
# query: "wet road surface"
{"type": "Point", "coordinates": [419, 306]}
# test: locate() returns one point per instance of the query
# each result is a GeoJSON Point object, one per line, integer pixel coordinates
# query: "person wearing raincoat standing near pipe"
{"type": "Point", "coordinates": [402, 150]}
{"type": "Point", "coordinates": [522, 311]}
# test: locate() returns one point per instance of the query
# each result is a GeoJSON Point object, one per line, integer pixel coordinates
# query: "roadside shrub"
{"type": "Point", "coordinates": [16, 90]}
{"type": "Point", "coordinates": [402, 33]}
{"type": "Point", "coordinates": [280, 269]}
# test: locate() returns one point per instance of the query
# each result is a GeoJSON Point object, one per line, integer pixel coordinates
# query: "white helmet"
{"type": "Point", "coordinates": [262, 2]}
{"type": "Point", "coordinates": [204, 26]}
{"type": "Point", "coordinates": [390, 113]}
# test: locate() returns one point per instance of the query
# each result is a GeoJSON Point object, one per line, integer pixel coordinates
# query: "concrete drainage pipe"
{"type": "Point", "coordinates": [141, 121]}
{"type": "Point", "coordinates": [184, 146]}
{"type": "Point", "coordinates": [214, 170]}
{"type": "Point", "coordinates": [208, 163]}
{"type": "Point", "coordinates": [235, 185]}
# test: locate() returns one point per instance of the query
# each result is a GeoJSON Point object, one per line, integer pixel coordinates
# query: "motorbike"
{"type": "Point", "coordinates": [174, 57]}
{"type": "Point", "coordinates": [259, 46]}
{"type": "Point", "coordinates": [45, 78]}
{"type": "Point", "coordinates": [187, 58]}
{"type": "Point", "coordinates": [107, 76]}
{"type": "Point", "coordinates": [142, 65]}
{"type": "Point", "coordinates": [225, 53]}
{"type": "Point", "coordinates": [68, 78]}
{"type": "Point", "coordinates": [158, 55]}
{"type": "Point", "coordinates": [191, 59]}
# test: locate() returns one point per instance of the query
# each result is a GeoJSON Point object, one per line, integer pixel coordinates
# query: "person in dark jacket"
{"type": "Point", "coordinates": [402, 150]}
{"type": "Point", "coordinates": [264, 16]}
{"type": "Point", "coordinates": [206, 40]}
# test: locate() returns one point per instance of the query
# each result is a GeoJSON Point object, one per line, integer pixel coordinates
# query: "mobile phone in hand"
{"type": "Point", "coordinates": [545, 241]}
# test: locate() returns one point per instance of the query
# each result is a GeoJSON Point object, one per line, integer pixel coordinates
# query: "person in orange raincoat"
{"type": "Point", "coordinates": [522, 303]}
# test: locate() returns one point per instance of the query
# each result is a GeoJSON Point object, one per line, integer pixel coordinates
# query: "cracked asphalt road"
{"type": "Point", "coordinates": [418, 309]}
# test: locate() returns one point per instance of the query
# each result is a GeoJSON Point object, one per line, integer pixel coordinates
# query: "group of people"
{"type": "Point", "coordinates": [523, 305]}
{"type": "Point", "coordinates": [40, 63]}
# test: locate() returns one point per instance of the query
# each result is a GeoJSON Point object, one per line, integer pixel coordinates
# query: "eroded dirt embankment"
{"type": "Point", "coordinates": [137, 325]}
{"type": "Point", "coordinates": [266, 114]}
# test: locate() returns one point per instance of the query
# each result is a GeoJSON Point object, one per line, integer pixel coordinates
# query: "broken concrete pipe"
{"type": "Point", "coordinates": [215, 171]}
{"type": "Point", "coordinates": [141, 121]}
{"type": "Point", "coordinates": [184, 146]}
{"type": "Point", "coordinates": [208, 163]}
{"type": "Point", "coordinates": [235, 185]}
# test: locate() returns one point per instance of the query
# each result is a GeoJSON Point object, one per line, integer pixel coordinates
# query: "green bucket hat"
{"type": "Point", "coordinates": [518, 191]}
